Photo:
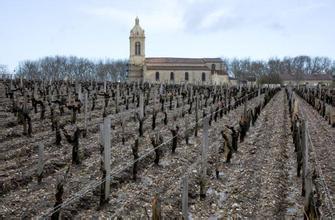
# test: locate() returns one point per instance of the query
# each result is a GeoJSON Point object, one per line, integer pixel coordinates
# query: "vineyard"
{"type": "Point", "coordinates": [152, 151]}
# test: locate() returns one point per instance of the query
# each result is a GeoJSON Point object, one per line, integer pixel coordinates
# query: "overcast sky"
{"type": "Point", "coordinates": [259, 29]}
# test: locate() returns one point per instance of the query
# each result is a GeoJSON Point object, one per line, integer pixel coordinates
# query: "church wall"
{"type": "Point", "coordinates": [220, 79]}
{"type": "Point", "coordinates": [194, 76]}
{"type": "Point", "coordinates": [218, 66]}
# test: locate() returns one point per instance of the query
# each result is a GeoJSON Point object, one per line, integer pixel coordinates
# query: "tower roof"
{"type": "Point", "coordinates": [137, 31]}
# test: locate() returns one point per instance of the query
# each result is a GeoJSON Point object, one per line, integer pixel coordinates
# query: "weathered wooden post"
{"type": "Point", "coordinates": [105, 86]}
{"type": "Point", "coordinates": [259, 96]}
{"type": "Point", "coordinates": [187, 132]}
{"type": "Point", "coordinates": [40, 164]}
{"type": "Point", "coordinates": [80, 96]}
{"type": "Point", "coordinates": [304, 154]}
{"type": "Point", "coordinates": [85, 112]}
{"type": "Point", "coordinates": [184, 185]}
{"type": "Point", "coordinates": [141, 105]}
{"type": "Point", "coordinates": [204, 149]}
{"type": "Point", "coordinates": [107, 153]}
{"type": "Point", "coordinates": [117, 99]}
{"type": "Point", "coordinates": [156, 208]}
{"type": "Point", "coordinates": [196, 115]}
{"type": "Point", "coordinates": [140, 116]}
{"type": "Point", "coordinates": [11, 84]}
{"type": "Point", "coordinates": [175, 112]}
{"type": "Point", "coordinates": [245, 107]}
{"type": "Point", "coordinates": [123, 125]}
{"type": "Point", "coordinates": [310, 207]}
{"type": "Point", "coordinates": [154, 111]}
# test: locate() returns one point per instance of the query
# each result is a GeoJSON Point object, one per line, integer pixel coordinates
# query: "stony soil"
{"type": "Point", "coordinates": [259, 183]}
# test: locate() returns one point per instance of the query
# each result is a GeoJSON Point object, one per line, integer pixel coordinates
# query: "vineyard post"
{"type": "Point", "coordinates": [245, 107]}
{"type": "Point", "coordinates": [155, 100]}
{"type": "Point", "coordinates": [259, 96]}
{"type": "Point", "coordinates": [175, 111]}
{"type": "Point", "coordinates": [196, 116]}
{"type": "Point", "coordinates": [141, 106]}
{"type": "Point", "coordinates": [80, 97]}
{"type": "Point", "coordinates": [186, 130]}
{"type": "Point", "coordinates": [105, 86]}
{"type": "Point", "coordinates": [184, 185]}
{"type": "Point", "coordinates": [35, 91]}
{"type": "Point", "coordinates": [204, 149]}
{"type": "Point", "coordinates": [304, 154]}
{"type": "Point", "coordinates": [117, 99]}
{"type": "Point", "coordinates": [40, 164]}
{"type": "Point", "coordinates": [85, 110]}
{"type": "Point", "coordinates": [107, 153]}
{"type": "Point", "coordinates": [309, 205]}
{"type": "Point", "coordinates": [11, 85]}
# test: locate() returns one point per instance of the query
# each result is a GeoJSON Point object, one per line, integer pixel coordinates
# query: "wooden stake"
{"type": "Point", "coordinates": [185, 197]}
{"type": "Point", "coordinates": [141, 106]}
{"type": "Point", "coordinates": [40, 164]}
{"type": "Point", "coordinates": [204, 149]}
{"type": "Point", "coordinates": [85, 111]}
{"type": "Point", "coordinates": [107, 154]}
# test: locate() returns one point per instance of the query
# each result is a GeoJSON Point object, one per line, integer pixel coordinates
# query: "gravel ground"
{"type": "Point", "coordinates": [322, 144]}
{"type": "Point", "coordinates": [259, 183]}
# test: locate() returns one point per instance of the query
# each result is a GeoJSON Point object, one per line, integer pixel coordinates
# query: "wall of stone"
{"type": "Point", "coordinates": [220, 79]}
{"type": "Point", "coordinates": [179, 76]}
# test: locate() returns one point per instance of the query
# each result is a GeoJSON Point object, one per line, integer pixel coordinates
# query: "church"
{"type": "Point", "coordinates": [171, 69]}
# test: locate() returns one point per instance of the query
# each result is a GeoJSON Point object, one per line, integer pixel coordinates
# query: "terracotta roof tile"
{"type": "Point", "coordinates": [172, 68]}
{"type": "Point", "coordinates": [178, 60]}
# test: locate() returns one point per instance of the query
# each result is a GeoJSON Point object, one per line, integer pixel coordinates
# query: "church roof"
{"type": "Point", "coordinates": [177, 60]}
{"type": "Point", "coordinates": [213, 60]}
{"type": "Point", "coordinates": [177, 67]}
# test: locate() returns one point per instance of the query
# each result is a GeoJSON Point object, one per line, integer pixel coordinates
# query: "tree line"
{"type": "Point", "coordinates": [270, 70]}
{"type": "Point", "coordinates": [62, 67]}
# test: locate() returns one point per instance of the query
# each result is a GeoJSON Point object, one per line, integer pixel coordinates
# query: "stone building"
{"type": "Point", "coordinates": [312, 79]}
{"type": "Point", "coordinates": [171, 69]}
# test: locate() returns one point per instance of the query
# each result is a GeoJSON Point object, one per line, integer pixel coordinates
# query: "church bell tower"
{"type": "Point", "coordinates": [137, 52]}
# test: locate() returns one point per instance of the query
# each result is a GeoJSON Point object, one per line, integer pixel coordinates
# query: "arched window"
{"type": "Point", "coordinates": [137, 48]}
{"type": "Point", "coordinates": [186, 76]}
{"type": "Point", "coordinates": [157, 76]}
{"type": "Point", "coordinates": [172, 76]}
{"type": "Point", "coordinates": [213, 68]}
{"type": "Point", "coordinates": [203, 77]}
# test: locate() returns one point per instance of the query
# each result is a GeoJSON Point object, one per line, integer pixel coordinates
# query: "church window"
{"type": "Point", "coordinates": [186, 76]}
{"type": "Point", "coordinates": [213, 68]}
{"type": "Point", "coordinates": [203, 77]}
{"type": "Point", "coordinates": [172, 76]}
{"type": "Point", "coordinates": [137, 48]}
{"type": "Point", "coordinates": [157, 76]}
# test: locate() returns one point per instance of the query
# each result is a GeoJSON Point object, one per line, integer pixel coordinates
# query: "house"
{"type": "Point", "coordinates": [304, 79]}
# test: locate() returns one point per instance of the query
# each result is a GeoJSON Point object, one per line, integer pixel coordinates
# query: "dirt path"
{"type": "Point", "coordinates": [261, 182]}
{"type": "Point", "coordinates": [322, 136]}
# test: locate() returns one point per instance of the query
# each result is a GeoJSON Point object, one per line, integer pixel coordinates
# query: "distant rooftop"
{"type": "Point", "coordinates": [307, 77]}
